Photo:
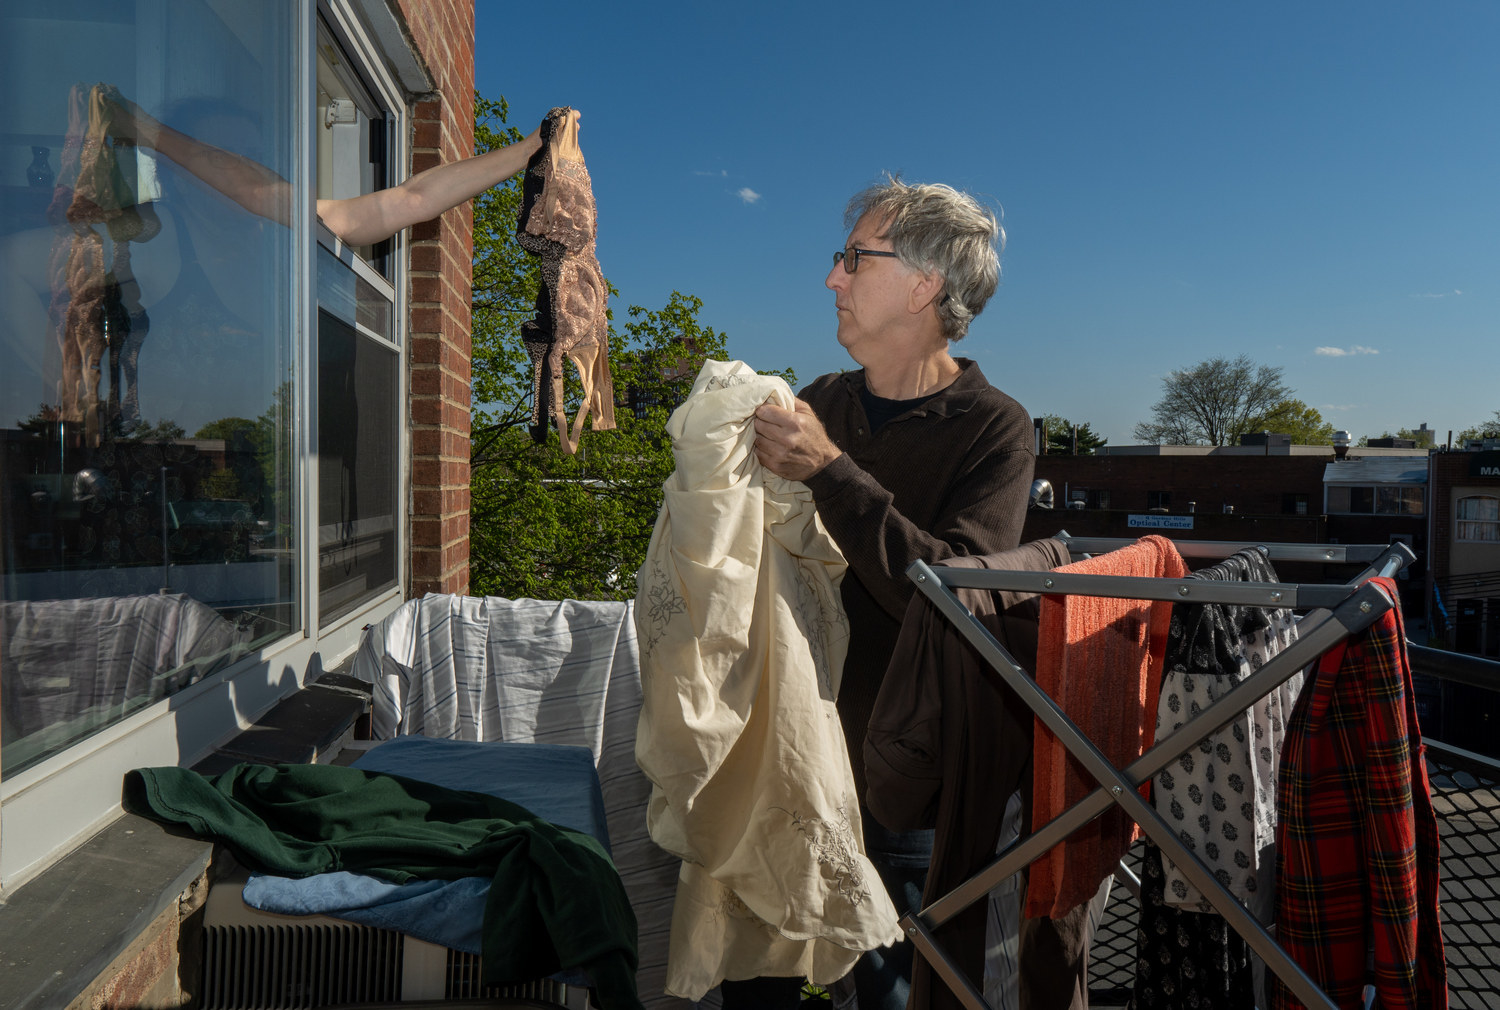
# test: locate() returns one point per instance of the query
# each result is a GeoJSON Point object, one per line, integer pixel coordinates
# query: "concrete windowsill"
{"type": "Point", "coordinates": [63, 929]}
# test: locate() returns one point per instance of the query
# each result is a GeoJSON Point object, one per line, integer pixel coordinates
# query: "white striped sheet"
{"type": "Point", "coordinates": [540, 671]}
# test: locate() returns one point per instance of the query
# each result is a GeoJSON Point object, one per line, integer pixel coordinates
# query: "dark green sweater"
{"type": "Point", "coordinates": [556, 901]}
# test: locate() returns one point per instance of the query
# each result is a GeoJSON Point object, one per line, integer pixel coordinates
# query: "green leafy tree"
{"type": "Point", "coordinates": [542, 523]}
{"type": "Point", "coordinates": [1213, 402]}
{"type": "Point", "coordinates": [1061, 434]}
{"type": "Point", "coordinates": [1424, 438]}
{"type": "Point", "coordinates": [1484, 429]}
{"type": "Point", "coordinates": [1293, 417]}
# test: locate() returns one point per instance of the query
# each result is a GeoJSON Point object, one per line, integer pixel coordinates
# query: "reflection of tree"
{"type": "Point", "coordinates": [252, 449]}
{"type": "Point", "coordinates": [45, 422]}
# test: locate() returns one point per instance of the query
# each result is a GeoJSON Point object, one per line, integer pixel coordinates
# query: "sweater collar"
{"type": "Point", "coordinates": [955, 398]}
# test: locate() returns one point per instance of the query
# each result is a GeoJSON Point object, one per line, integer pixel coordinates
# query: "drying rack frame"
{"type": "Point", "coordinates": [1338, 611]}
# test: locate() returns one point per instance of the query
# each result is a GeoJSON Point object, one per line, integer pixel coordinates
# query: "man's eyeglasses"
{"type": "Point", "coordinates": [850, 257]}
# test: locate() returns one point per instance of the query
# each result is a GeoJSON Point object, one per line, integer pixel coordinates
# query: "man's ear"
{"type": "Point", "coordinates": [926, 292]}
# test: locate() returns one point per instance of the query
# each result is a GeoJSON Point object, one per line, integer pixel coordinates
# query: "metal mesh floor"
{"type": "Point", "coordinates": [1466, 798]}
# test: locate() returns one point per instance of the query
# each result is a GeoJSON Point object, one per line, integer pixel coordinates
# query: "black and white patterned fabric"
{"type": "Point", "coordinates": [1187, 959]}
{"type": "Point", "coordinates": [1221, 795]}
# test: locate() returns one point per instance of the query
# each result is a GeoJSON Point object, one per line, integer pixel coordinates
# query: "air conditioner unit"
{"type": "Point", "coordinates": [255, 960]}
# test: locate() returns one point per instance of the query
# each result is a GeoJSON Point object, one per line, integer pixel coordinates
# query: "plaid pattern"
{"type": "Point", "coordinates": [1357, 844]}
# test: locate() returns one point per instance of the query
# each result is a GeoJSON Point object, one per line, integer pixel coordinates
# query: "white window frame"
{"type": "Point", "coordinates": [48, 809]}
{"type": "Point", "coordinates": [1458, 521]}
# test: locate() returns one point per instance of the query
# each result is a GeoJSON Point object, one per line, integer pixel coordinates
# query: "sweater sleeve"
{"type": "Point", "coordinates": [982, 512]}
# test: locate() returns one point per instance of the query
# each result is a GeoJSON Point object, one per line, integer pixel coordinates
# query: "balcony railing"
{"type": "Point", "coordinates": [1466, 798]}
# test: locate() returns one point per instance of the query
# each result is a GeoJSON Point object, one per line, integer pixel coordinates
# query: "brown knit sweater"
{"type": "Point", "coordinates": [947, 479]}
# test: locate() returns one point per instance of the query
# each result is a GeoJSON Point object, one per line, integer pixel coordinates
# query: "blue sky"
{"type": "Point", "coordinates": [1314, 184]}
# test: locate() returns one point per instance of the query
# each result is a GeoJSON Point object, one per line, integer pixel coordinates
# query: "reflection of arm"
{"type": "Point", "coordinates": [374, 216]}
{"type": "Point", "coordinates": [982, 509]}
{"type": "Point", "coordinates": [245, 181]}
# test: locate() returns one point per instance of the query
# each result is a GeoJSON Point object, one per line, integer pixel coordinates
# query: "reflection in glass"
{"type": "Point", "coordinates": [357, 464]}
{"type": "Point", "coordinates": [146, 512]}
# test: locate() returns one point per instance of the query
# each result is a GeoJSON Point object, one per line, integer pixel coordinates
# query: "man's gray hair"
{"type": "Point", "coordinates": [937, 229]}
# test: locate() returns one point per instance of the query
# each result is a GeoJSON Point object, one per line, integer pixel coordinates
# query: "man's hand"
{"type": "Point", "coordinates": [792, 443]}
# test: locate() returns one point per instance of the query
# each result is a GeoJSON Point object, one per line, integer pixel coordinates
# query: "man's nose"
{"type": "Point", "coordinates": [836, 278]}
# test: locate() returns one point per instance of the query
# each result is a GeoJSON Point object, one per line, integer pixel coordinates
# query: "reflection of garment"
{"type": "Point", "coordinates": [947, 739]}
{"type": "Point", "coordinates": [94, 309]}
{"type": "Point", "coordinates": [1100, 659]}
{"type": "Point", "coordinates": [742, 640]}
{"type": "Point", "coordinates": [1357, 841]}
{"type": "Point", "coordinates": [558, 224]}
{"type": "Point", "coordinates": [68, 658]}
{"type": "Point", "coordinates": [1221, 795]}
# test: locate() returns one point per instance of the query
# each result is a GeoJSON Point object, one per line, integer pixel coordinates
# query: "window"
{"type": "Point", "coordinates": [1381, 499]}
{"type": "Point", "coordinates": [1479, 518]}
{"type": "Point", "coordinates": [200, 466]}
{"type": "Point", "coordinates": [358, 435]}
{"type": "Point", "coordinates": [1098, 499]}
{"type": "Point", "coordinates": [147, 472]}
{"type": "Point", "coordinates": [1158, 499]}
{"type": "Point", "coordinates": [1295, 504]}
{"type": "Point", "coordinates": [353, 136]}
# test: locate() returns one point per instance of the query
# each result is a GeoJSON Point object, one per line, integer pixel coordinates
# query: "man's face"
{"type": "Point", "coordinates": [874, 298]}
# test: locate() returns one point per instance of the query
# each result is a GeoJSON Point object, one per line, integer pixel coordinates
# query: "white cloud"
{"type": "Point", "coordinates": [1444, 294]}
{"type": "Point", "coordinates": [722, 173]}
{"type": "Point", "coordinates": [747, 194]}
{"type": "Point", "coordinates": [1344, 352]}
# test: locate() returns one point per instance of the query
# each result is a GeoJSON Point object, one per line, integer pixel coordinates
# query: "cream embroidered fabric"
{"type": "Point", "coordinates": [742, 639]}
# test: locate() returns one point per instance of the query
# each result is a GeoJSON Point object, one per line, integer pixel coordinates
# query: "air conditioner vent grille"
{"type": "Point", "coordinates": [290, 967]}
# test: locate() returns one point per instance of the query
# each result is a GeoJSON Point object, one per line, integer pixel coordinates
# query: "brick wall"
{"type": "Point", "coordinates": [441, 287]}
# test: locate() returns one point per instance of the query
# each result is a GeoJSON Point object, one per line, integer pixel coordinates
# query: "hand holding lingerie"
{"type": "Point", "coordinates": [558, 225]}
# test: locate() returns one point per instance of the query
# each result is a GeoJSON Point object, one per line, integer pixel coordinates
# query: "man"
{"type": "Point", "coordinates": [913, 456]}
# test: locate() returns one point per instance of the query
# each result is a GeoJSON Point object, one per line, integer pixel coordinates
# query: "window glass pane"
{"type": "Point", "coordinates": [1338, 499]}
{"type": "Point", "coordinates": [1362, 500]}
{"type": "Point", "coordinates": [358, 440]}
{"type": "Point", "coordinates": [1413, 501]}
{"type": "Point", "coordinates": [1388, 500]}
{"type": "Point", "coordinates": [145, 355]}
{"type": "Point", "coordinates": [1479, 518]}
{"type": "Point", "coordinates": [353, 138]}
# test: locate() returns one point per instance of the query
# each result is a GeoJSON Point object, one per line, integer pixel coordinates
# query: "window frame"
{"type": "Point", "coordinates": [48, 809]}
{"type": "Point", "coordinates": [1373, 494]}
{"type": "Point", "coordinates": [1459, 522]}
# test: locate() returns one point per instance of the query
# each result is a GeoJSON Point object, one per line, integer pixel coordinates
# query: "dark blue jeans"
{"type": "Point", "coordinates": [882, 977]}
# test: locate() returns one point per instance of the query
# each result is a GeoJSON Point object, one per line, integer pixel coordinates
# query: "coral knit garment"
{"type": "Point", "coordinates": [1100, 659]}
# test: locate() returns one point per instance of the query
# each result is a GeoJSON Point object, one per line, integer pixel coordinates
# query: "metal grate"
{"type": "Point", "coordinates": [290, 967]}
{"type": "Point", "coordinates": [1466, 798]}
{"type": "Point", "coordinates": [464, 972]}
{"type": "Point", "coordinates": [1468, 810]}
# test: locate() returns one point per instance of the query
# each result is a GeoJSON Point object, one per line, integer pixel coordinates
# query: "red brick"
{"type": "Point", "coordinates": [426, 256]}
{"type": "Point", "coordinates": [427, 319]}
{"type": "Point", "coordinates": [428, 288]}
{"type": "Point", "coordinates": [427, 133]}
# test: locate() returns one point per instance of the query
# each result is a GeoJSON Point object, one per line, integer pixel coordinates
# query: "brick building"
{"type": "Point", "coordinates": [1292, 494]}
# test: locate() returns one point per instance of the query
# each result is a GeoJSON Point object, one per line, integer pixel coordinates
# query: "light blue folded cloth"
{"type": "Point", "coordinates": [557, 783]}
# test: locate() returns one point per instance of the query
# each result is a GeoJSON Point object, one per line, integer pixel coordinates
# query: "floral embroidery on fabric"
{"type": "Point", "coordinates": [663, 602]}
{"type": "Point", "coordinates": [833, 844]}
{"type": "Point", "coordinates": [725, 381]}
{"type": "Point", "coordinates": [731, 906]}
{"type": "Point", "coordinates": [820, 620]}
